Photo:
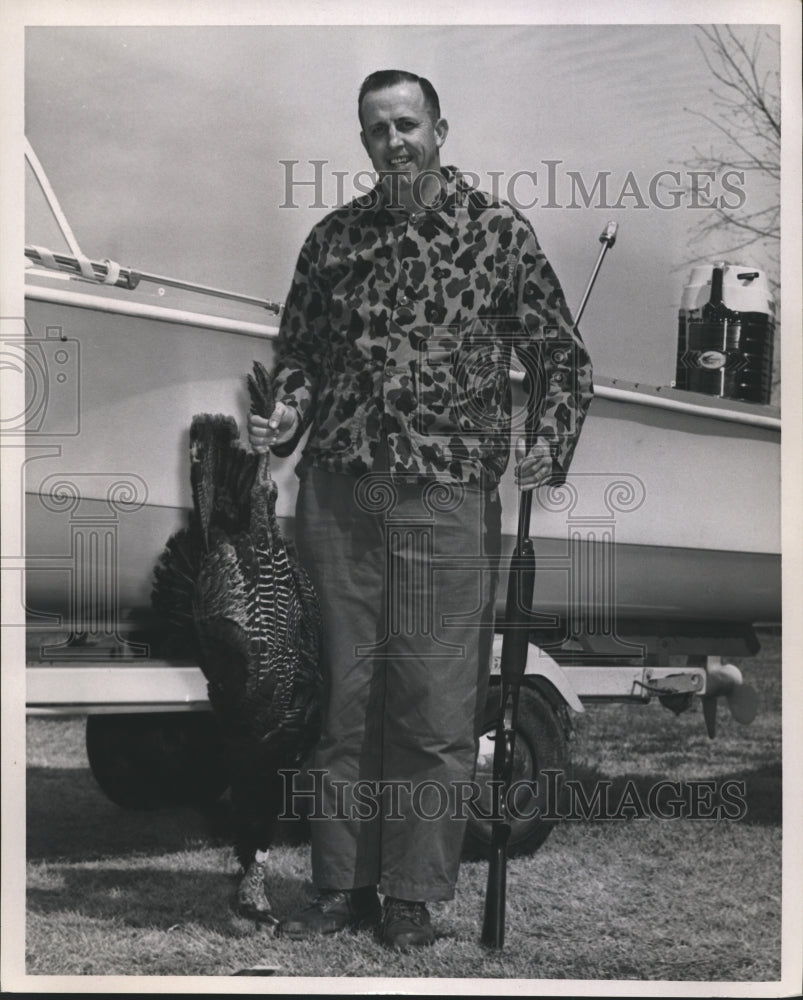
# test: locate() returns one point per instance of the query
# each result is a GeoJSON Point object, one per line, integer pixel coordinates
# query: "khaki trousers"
{"type": "Point", "coordinates": [406, 572]}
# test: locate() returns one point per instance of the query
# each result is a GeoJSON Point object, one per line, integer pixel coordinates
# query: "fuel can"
{"type": "Point", "coordinates": [726, 331]}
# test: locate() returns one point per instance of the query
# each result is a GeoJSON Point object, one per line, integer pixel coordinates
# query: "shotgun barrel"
{"type": "Point", "coordinates": [515, 646]}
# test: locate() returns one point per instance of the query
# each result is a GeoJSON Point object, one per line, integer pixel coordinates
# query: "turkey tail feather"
{"type": "Point", "coordinates": [174, 578]}
{"type": "Point", "coordinates": [222, 474]}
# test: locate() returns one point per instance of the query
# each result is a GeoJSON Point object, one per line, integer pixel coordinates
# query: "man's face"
{"type": "Point", "coordinates": [399, 134]}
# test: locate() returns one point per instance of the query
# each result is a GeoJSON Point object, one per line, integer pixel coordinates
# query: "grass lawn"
{"type": "Point", "coordinates": [113, 892]}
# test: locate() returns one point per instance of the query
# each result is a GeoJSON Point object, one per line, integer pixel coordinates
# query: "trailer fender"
{"type": "Point", "coordinates": [541, 664]}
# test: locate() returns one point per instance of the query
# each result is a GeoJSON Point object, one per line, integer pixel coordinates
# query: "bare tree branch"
{"type": "Point", "coordinates": [745, 113]}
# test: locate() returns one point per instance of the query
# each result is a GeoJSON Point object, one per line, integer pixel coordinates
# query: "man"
{"type": "Point", "coordinates": [394, 352]}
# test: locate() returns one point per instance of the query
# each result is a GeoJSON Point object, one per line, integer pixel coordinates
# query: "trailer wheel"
{"type": "Point", "coordinates": [541, 745]}
{"type": "Point", "coordinates": [153, 760]}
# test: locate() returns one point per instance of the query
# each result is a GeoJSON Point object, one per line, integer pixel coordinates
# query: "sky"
{"type": "Point", "coordinates": [171, 149]}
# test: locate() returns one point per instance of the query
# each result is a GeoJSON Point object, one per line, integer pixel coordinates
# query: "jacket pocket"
{"type": "Point", "coordinates": [337, 418]}
{"type": "Point", "coordinates": [464, 392]}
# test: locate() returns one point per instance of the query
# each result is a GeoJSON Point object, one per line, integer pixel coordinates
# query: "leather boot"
{"type": "Point", "coordinates": [333, 910]}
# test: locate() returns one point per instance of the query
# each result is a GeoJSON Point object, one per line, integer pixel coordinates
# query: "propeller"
{"type": "Point", "coordinates": [725, 680]}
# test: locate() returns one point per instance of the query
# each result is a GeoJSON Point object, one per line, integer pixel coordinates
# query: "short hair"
{"type": "Point", "coordinates": [384, 78]}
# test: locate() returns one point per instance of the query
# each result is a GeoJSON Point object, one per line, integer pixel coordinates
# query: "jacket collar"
{"type": "Point", "coordinates": [444, 213]}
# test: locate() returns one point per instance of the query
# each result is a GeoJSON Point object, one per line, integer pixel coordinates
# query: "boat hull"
{"type": "Point", "coordinates": [667, 515]}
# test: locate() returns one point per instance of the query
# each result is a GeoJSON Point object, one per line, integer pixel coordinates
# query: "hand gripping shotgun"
{"type": "Point", "coordinates": [515, 645]}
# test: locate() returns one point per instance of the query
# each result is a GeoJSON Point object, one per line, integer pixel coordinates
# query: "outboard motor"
{"type": "Point", "coordinates": [726, 328]}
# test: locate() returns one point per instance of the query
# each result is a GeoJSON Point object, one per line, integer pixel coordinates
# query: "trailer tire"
{"type": "Point", "coordinates": [157, 759]}
{"type": "Point", "coordinates": [541, 745]}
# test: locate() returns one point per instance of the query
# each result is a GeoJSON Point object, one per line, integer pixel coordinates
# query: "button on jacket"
{"type": "Point", "coordinates": [401, 325]}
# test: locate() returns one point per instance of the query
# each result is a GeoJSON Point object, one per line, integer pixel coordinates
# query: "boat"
{"type": "Point", "coordinates": [670, 514]}
{"type": "Point", "coordinates": [662, 547]}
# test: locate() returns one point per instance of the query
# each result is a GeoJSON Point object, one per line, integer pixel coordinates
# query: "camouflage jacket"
{"type": "Point", "coordinates": [402, 325]}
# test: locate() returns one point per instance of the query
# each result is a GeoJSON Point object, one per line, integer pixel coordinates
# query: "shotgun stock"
{"type": "Point", "coordinates": [515, 646]}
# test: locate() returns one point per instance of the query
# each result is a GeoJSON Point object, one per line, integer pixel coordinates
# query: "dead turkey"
{"type": "Point", "coordinates": [232, 582]}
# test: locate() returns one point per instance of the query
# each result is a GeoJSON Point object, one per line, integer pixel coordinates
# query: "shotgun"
{"type": "Point", "coordinates": [515, 646]}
